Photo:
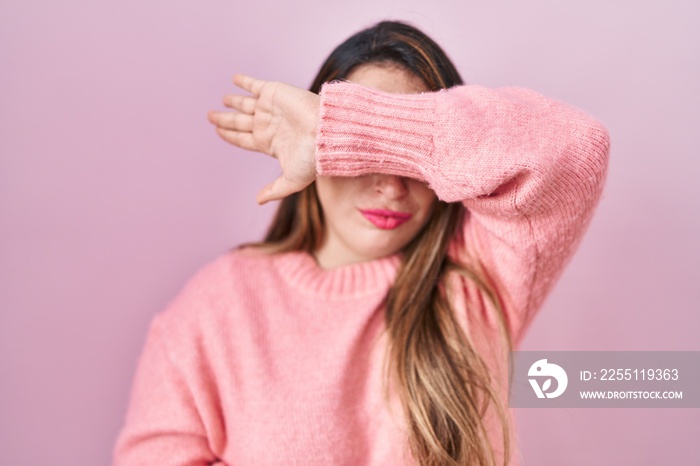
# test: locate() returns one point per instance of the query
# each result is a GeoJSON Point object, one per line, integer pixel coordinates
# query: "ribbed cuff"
{"type": "Point", "coordinates": [363, 130]}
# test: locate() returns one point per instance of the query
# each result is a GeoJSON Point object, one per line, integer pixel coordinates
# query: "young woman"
{"type": "Point", "coordinates": [422, 223]}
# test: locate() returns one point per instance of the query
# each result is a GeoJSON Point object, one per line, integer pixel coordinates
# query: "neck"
{"type": "Point", "coordinates": [329, 258]}
{"type": "Point", "coordinates": [333, 254]}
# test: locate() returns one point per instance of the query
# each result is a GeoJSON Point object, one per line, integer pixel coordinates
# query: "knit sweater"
{"type": "Point", "coordinates": [268, 359]}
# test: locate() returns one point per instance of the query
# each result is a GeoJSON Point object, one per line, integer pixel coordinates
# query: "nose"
{"type": "Point", "coordinates": [391, 186]}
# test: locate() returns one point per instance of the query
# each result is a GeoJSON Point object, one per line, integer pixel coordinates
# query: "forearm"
{"type": "Point", "coordinates": [466, 142]}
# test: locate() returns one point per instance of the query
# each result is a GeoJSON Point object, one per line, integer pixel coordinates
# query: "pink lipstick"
{"type": "Point", "coordinates": [385, 219]}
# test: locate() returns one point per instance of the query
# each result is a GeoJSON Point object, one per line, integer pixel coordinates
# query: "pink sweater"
{"type": "Point", "coordinates": [271, 360]}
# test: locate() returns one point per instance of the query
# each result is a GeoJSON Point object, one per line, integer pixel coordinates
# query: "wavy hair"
{"type": "Point", "coordinates": [444, 384]}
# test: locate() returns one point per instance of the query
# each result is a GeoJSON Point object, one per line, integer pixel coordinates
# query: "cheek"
{"type": "Point", "coordinates": [425, 198]}
{"type": "Point", "coordinates": [336, 199]}
{"type": "Point", "coordinates": [338, 193]}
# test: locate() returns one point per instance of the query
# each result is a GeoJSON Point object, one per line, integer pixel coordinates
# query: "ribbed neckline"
{"type": "Point", "coordinates": [300, 270]}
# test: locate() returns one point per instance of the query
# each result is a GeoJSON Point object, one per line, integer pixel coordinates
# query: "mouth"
{"type": "Point", "coordinates": [385, 219]}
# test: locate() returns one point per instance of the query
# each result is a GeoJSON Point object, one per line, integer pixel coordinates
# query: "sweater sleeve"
{"type": "Point", "coordinates": [163, 425]}
{"type": "Point", "coordinates": [529, 170]}
{"type": "Point", "coordinates": [174, 415]}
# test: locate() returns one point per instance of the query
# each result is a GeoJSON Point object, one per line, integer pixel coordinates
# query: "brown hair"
{"type": "Point", "coordinates": [444, 384]}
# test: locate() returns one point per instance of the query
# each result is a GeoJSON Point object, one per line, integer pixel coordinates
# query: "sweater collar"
{"type": "Point", "coordinates": [300, 269]}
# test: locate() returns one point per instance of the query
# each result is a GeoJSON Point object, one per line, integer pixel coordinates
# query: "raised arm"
{"type": "Point", "coordinates": [530, 171]}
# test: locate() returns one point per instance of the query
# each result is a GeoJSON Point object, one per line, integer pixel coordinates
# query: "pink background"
{"type": "Point", "coordinates": [114, 189]}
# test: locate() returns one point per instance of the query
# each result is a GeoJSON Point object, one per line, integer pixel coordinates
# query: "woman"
{"type": "Point", "coordinates": [421, 226]}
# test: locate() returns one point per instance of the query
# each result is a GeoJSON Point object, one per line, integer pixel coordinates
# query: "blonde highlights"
{"type": "Point", "coordinates": [445, 386]}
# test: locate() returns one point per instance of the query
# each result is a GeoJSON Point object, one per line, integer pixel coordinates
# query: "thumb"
{"type": "Point", "coordinates": [278, 189]}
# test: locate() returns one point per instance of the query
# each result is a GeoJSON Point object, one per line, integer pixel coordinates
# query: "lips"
{"type": "Point", "coordinates": [385, 219]}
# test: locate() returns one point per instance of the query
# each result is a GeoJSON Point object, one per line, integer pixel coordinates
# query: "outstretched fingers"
{"type": "Point", "coordinates": [241, 103]}
{"type": "Point", "coordinates": [248, 83]}
{"type": "Point", "coordinates": [241, 139]}
{"type": "Point", "coordinates": [234, 121]}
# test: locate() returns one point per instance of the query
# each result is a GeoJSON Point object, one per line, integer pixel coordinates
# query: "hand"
{"type": "Point", "coordinates": [279, 120]}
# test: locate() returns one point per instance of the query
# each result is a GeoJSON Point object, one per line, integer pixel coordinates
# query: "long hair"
{"type": "Point", "coordinates": [444, 385]}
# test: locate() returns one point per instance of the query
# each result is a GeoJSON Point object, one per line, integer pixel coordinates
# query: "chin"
{"type": "Point", "coordinates": [375, 251]}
